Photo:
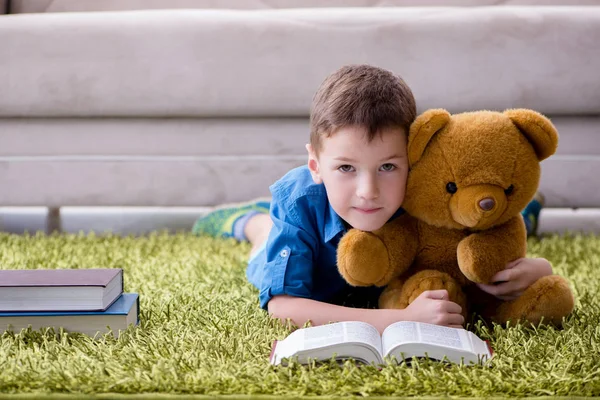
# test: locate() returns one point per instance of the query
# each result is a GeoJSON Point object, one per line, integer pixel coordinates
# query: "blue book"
{"type": "Point", "coordinates": [122, 313]}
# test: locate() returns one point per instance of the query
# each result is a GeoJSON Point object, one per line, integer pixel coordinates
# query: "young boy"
{"type": "Point", "coordinates": [355, 178]}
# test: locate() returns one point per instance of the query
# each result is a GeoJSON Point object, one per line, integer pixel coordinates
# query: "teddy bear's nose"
{"type": "Point", "coordinates": [487, 204]}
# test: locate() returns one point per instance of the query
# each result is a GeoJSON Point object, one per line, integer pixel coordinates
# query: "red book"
{"type": "Point", "coordinates": [59, 289]}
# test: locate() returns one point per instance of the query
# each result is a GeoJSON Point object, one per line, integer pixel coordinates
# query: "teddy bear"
{"type": "Point", "coordinates": [470, 175]}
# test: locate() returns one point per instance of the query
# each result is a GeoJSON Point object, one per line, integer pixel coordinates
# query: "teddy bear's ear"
{"type": "Point", "coordinates": [422, 130]}
{"type": "Point", "coordinates": [537, 129]}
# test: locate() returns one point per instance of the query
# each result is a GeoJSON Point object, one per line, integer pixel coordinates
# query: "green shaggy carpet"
{"type": "Point", "coordinates": [202, 332]}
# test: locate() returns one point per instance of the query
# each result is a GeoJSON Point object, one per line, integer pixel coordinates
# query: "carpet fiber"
{"type": "Point", "coordinates": [202, 332]}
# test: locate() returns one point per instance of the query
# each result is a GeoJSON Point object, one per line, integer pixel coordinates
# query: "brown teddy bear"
{"type": "Point", "coordinates": [470, 176]}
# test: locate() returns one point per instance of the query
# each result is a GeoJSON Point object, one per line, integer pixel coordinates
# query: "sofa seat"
{"type": "Point", "coordinates": [194, 108]}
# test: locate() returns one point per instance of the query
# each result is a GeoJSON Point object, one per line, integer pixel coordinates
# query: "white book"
{"type": "Point", "coordinates": [362, 342]}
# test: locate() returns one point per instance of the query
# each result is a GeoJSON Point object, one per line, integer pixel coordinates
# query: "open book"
{"type": "Point", "coordinates": [362, 342]}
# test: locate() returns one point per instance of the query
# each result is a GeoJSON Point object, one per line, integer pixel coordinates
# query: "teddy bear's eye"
{"type": "Point", "coordinates": [451, 187]}
{"type": "Point", "coordinates": [509, 190]}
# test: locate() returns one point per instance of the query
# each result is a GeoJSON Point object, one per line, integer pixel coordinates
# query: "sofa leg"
{"type": "Point", "coordinates": [53, 221]}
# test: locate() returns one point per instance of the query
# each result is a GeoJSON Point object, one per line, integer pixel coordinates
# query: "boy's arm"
{"type": "Point", "coordinates": [431, 307]}
{"type": "Point", "coordinates": [288, 266]}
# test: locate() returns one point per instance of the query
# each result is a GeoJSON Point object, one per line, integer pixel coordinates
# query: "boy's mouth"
{"type": "Point", "coordinates": [367, 210]}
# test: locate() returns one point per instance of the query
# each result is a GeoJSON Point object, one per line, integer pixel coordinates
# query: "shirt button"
{"type": "Point", "coordinates": [283, 253]}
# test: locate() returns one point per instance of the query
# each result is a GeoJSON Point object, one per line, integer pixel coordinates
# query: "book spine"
{"type": "Point", "coordinates": [489, 346]}
{"type": "Point", "coordinates": [137, 301]}
{"type": "Point", "coordinates": [272, 355]}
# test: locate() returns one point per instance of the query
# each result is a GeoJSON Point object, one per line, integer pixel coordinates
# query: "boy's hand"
{"type": "Point", "coordinates": [433, 307]}
{"type": "Point", "coordinates": [518, 275]}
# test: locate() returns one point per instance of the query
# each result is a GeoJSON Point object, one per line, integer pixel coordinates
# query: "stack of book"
{"type": "Point", "coordinates": [89, 301]}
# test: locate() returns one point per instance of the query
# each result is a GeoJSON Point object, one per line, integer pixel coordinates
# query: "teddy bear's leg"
{"type": "Point", "coordinates": [400, 293]}
{"type": "Point", "coordinates": [392, 296]}
{"type": "Point", "coordinates": [550, 299]}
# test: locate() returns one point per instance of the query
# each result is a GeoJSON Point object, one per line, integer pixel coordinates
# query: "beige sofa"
{"type": "Point", "coordinates": [127, 103]}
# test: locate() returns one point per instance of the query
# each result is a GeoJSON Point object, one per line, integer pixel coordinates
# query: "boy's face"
{"type": "Point", "coordinates": [365, 181]}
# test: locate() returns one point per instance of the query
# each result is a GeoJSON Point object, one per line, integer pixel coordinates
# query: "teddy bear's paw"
{"type": "Point", "coordinates": [548, 300]}
{"type": "Point", "coordinates": [475, 264]}
{"type": "Point", "coordinates": [362, 259]}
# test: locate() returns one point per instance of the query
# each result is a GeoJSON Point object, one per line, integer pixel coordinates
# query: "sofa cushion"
{"type": "Point", "coordinates": [197, 161]}
{"type": "Point", "coordinates": [207, 63]}
{"type": "Point", "coordinates": [41, 6]}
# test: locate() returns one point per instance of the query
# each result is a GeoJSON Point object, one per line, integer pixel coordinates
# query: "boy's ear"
{"type": "Point", "coordinates": [313, 165]}
{"type": "Point", "coordinates": [422, 130]}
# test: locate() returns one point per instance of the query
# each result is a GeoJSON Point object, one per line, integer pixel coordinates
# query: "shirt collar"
{"type": "Point", "coordinates": [334, 224]}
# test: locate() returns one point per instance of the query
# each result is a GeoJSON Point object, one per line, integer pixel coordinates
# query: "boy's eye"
{"type": "Point", "coordinates": [388, 167]}
{"type": "Point", "coordinates": [346, 168]}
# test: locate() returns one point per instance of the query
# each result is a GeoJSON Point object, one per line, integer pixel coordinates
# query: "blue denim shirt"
{"type": "Point", "coordinates": [299, 258]}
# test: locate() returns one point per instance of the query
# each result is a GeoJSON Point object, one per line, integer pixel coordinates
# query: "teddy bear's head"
{"type": "Point", "coordinates": [475, 170]}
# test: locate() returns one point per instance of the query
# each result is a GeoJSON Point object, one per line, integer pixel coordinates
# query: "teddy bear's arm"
{"type": "Point", "coordinates": [481, 255]}
{"type": "Point", "coordinates": [375, 258]}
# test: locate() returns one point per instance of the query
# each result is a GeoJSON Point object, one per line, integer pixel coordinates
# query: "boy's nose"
{"type": "Point", "coordinates": [368, 189]}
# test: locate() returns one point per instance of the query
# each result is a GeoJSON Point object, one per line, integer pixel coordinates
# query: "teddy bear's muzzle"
{"type": "Point", "coordinates": [478, 206]}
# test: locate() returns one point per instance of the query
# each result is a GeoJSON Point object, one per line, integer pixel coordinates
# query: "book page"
{"type": "Point", "coordinates": [329, 335]}
{"type": "Point", "coordinates": [417, 332]}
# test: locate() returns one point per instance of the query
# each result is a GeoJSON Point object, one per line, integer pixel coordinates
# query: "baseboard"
{"type": "Point", "coordinates": [561, 220]}
{"type": "Point", "coordinates": [141, 220]}
{"type": "Point", "coordinates": [129, 220]}
{"type": "Point", "coordinates": [23, 219]}
{"type": "Point", "coordinates": [117, 220]}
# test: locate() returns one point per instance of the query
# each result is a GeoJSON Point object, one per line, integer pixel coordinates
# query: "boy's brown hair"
{"type": "Point", "coordinates": [360, 95]}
